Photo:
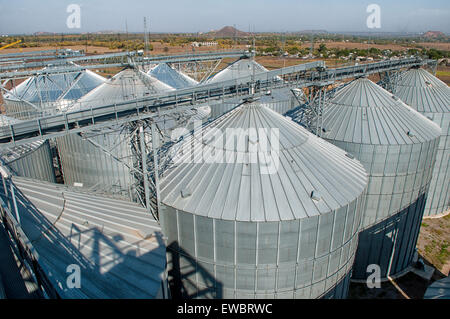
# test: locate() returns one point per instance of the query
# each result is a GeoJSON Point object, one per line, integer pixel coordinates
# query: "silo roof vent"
{"type": "Point", "coordinates": [186, 192]}
{"type": "Point", "coordinates": [350, 155]}
{"type": "Point", "coordinates": [315, 195]}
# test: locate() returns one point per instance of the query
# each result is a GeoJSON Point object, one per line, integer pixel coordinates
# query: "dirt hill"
{"type": "Point", "coordinates": [229, 32]}
{"type": "Point", "coordinates": [434, 34]}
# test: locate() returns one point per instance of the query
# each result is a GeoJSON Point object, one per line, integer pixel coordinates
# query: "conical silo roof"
{"type": "Point", "coordinates": [240, 68]}
{"type": "Point", "coordinates": [171, 77]}
{"type": "Point", "coordinates": [128, 84]}
{"type": "Point", "coordinates": [363, 112]}
{"type": "Point", "coordinates": [56, 87]}
{"type": "Point", "coordinates": [423, 91]}
{"type": "Point", "coordinates": [313, 176]}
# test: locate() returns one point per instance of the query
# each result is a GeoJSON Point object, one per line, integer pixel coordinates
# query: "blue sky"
{"type": "Point", "coordinates": [28, 16]}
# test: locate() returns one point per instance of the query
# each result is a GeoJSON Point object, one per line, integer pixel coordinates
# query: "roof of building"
{"type": "Point", "coordinates": [117, 244]}
{"type": "Point", "coordinates": [363, 112]}
{"type": "Point", "coordinates": [423, 91]}
{"type": "Point", "coordinates": [171, 77]}
{"type": "Point", "coordinates": [128, 84]}
{"type": "Point", "coordinates": [55, 87]}
{"type": "Point", "coordinates": [233, 190]}
{"type": "Point", "coordinates": [240, 68]}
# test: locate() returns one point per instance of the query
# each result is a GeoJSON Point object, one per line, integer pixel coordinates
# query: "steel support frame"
{"type": "Point", "coordinates": [144, 137]}
{"type": "Point", "coordinates": [310, 114]}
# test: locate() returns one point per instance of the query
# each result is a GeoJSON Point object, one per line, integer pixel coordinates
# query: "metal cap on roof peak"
{"type": "Point", "coordinates": [313, 177]}
{"type": "Point", "coordinates": [363, 112]}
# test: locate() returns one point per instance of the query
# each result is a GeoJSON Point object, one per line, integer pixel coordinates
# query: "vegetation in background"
{"type": "Point", "coordinates": [434, 242]}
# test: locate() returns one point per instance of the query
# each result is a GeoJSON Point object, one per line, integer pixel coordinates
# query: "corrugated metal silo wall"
{"type": "Point", "coordinates": [399, 179]}
{"type": "Point", "coordinates": [37, 164]}
{"type": "Point", "coordinates": [309, 258]}
{"type": "Point", "coordinates": [438, 201]}
{"type": "Point", "coordinates": [82, 162]}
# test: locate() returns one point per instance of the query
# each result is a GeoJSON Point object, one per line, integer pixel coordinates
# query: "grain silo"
{"type": "Point", "coordinates": [397, 147]}
{"type": "Point", "coordinates": [83, 158]}
{"type": "Point", "coordinates": [431, 97]}
{"type": "Point", "coordinates": [237, 229]}
{"type": "Point", "coordinates": [171, 77]}
{"type": "Point", "coordinates": [49, 93]}
{"type": "Point", "coordinates": [279, 99]}
{"type": "Point", "coordinates": [33, 160]}
{"type": "Point", "coordinates": [238, 69]}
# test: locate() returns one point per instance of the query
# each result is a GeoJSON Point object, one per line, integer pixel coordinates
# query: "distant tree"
{"type": "Point", "coordinates": [293, 50]}
{"type": "Point", "coordinates": [322, 48]}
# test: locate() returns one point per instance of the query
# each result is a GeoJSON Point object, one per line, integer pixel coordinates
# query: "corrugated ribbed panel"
{"type": "Point", "coordinates": [234, 232]}
{"type": "Point", "coordinates": [307, 163]}
{"type": "Point", "coordinates": [49, 93]}
{"type": "Point", "coordinates": [171, 77]}
{"type": "Point", "coordinates": [397, 146]}
{"type": "Point", "coordinates": [363, 112]}
{"type": "Point", "coordinates": [117, 245]}
{"type": "Point", "coordinates": [240, 68]}
{"type": "Point", "coordinates": [126, 85]}
{"type": "Point", "coordinates": [33, 160]}
{"type": "Point", "coordinates": [423, 91]}
{"type": "Point", "coordinates": [431, 97]}
{"type": "Point", "coordinates": [87, 165]}
{"type": "Point", "coordinates": [50, 88]}
{"type": "Point", "coordinates": [36, 163]}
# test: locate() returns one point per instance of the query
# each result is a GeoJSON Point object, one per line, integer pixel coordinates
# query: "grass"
{"type": "Point", "coordinates": [444, 253]}
{"type": "Point", "coordinates": [434, 241]}
{"type": "Point", "coordinates": [443, 73]}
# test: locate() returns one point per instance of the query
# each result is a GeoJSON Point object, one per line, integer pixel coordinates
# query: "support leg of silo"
{"type": "Point", "coordinates": [145, 168]}
{"type": "Point", "coordinates": [155, 142]}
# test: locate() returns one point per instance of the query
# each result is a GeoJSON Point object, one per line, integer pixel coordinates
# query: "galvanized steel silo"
{"type": "Point", "coordinates": [235, 232]}
{"type": "Point", "coordinates": [171, 77]}
{"type": "Point", "coordinates": [397, 146]}
{"type": "Point", "coordinates": [431, 97]}
{"type": "Point", "coordinates": [83, 159]}
{"type": "Point", "coordinates": [50, 93]}
{"type": "Point", "coordinates": [33, 160]}
{"type": "Point", "coordinates": [281, 100]}
{"type": "Point", "coordinates": [238, 69]}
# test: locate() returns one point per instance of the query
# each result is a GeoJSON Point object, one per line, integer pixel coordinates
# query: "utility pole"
{"type": "Point", "coordinates": [146, 46]}
{"type": "Point", "coordinates": [126, 31]}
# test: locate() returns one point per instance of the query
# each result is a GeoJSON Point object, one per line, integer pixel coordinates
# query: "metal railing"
{"type": "Point", "coordinates": [108, 61]}
{"type": "Point", "coordinates": [18, 240]}
{"type": "Point", "coordinates": [87, 117]}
